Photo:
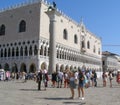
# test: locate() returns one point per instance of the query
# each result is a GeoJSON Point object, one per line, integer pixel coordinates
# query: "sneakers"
{"type": "Point", "coordinates": [81, 98]}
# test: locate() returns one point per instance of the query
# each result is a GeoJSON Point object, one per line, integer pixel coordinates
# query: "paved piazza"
{"type": "Point", "coordinates": [18, 93]}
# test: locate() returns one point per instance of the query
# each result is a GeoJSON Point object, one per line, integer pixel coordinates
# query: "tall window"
{"type": "Point", "coordinates": [21, 51]}
{"type": "Point", "coordinates": [88, 45]}
{"type": "Point", "coordinates": [65, 34]}
{"type": "Point", "coordinates": [30, 50]}
{"type": "Point", "coordinates": [75, 39]}
{"type": "Point", "coordinates": [9, 52]}
{"type": "Point", "coordinates": [35, 50]}
{"type": "Point", "coordinates": [22, 26]}
{"type": "Point", "coordinates": [94, 49]}
{"type": "Point", "coordinates": [2, 29]}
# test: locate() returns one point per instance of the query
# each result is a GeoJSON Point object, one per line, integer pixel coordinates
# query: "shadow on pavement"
{"type": "Point", "coordinates": [67, 102]}
{"type": "Point", "coordinates": [78, 103]}
{"type": "Point", "coordinates": [57, 98]}
{"type": "Point", "coordinates": [28, 89]}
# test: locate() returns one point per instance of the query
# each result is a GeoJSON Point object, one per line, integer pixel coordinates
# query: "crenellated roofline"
{"type": "Point", "coordinates": [45, 2]}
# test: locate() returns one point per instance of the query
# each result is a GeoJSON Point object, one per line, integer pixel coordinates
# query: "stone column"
{"type": "Point", "coordinates": [38, 56]}
{"type": "Point", "coordinates": [52, 29]}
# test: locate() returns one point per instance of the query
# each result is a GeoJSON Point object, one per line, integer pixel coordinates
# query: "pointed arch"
{"type": "Point", "coordinates": [22, 26]}
{"type": "Point", "coordinates": [6, 67]}
{"type": "Point", "coordinates": [23, 68]}
{"type": "Point", "coordinates": [32, 68]}
{"type": "Point", "coordinates": [14, 68]}
{"type": "Point", "coordinates": [43, 65]}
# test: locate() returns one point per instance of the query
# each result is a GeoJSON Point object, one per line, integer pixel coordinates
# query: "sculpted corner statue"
{"type": "Point", "coordinates": [53, 7]}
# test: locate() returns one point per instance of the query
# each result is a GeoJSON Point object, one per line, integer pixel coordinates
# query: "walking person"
{"type": "Point", "coordinates": [81, 85]}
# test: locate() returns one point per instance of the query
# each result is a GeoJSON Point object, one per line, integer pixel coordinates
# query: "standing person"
{"type": "Point", "coordinates": [24, 77]}
{"type": "Point", "coordinates": [72, 84]}
{"type": "Point", "coordinates": [92, 78]}
{"type": "Point", "coordinates": [39, 79]}
{"type": "Point", "coordinates": [45, 78]}
{"type": "Point", "coordinates": [54, 76]}
{"type": "Point", "coordinates": [110, 78]}
{"type": "Point", "coordinates": [66, 79]}
{"type": "Point", "coordinates": [118, 77]}
{"type": "Point", "coordinates": [95, 78]}
{"type": "Point", "coordinates": [81, 85]}
{"type": "Point", "coordinates": [104, 77]}
{"type": "Point", "coordinates": [59, 79]}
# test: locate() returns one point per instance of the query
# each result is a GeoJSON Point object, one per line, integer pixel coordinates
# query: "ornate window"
{"type": "Point", "coordinates": [2, 29]}
{"type": "Point", "coordinates": [65, 34]}
{"type": "Point", "coordinates": [22, 26]}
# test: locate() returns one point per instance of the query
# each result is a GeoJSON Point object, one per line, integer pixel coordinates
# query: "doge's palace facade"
{"type": "Point", "coordinates": [25, 38]}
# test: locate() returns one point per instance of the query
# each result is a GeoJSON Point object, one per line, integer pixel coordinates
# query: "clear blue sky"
{"type": "Point", "coordinates": [101, 17]}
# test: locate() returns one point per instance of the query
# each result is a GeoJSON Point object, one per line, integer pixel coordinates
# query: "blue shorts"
{"type": "Point", "coordinates": [81, 85]}
{"type": "Point", "coordinates": [72, 84]}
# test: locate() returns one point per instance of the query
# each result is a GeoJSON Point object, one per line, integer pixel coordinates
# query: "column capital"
{"type": "Point", "coordinates": [53, 13]}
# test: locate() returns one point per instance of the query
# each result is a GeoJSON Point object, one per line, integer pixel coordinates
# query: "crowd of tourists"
{"type": "Point", "coordinates": [72, 79]}
{"type": "Point", "coordinates": [68, 79]}
{"type": "Point", "coordinates": [108, 76]}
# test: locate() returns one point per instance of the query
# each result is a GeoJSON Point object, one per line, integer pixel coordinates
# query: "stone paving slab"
{"type": "Point", "coordinates": [18, 93]}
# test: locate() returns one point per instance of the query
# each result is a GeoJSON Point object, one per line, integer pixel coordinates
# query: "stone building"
{"type": "Point", "coordinates": [110, 61]}
{"type": "Point", "coordinates": [25, 38]}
